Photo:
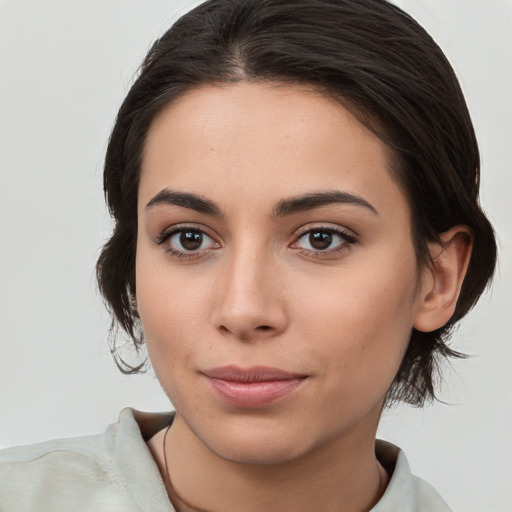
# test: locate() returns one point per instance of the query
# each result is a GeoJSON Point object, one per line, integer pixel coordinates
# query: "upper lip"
{"type": "Point", "coordinates": [252, 374]}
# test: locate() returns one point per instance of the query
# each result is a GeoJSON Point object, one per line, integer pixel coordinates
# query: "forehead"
{"type": "Point", "coordinates": [263, 141]}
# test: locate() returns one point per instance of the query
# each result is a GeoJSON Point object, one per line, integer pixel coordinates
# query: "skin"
{"type": "Point", "coordinates": [257, 292]}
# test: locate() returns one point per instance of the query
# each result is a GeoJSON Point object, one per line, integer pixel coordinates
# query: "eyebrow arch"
{"type": "Point", "coordinates": [318, 199]}
{"type": "Point", "coordinates": [185, 200]}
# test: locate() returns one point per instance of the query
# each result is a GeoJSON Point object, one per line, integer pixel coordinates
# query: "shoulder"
{"type": "Point", "coordinates": [57, 472]}
{"type": "Point", "coordinates": [99, 472]}
{"type": "Point", "coordinates": [84, 448]}
{"type": "Point", "coordinates": [405, 492]}
{"type": "Point", "coordinates": [64, 471]}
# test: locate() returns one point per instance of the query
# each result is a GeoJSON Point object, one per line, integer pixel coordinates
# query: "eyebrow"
{"type": "Point", "coordinates": [318, 199]}
{"type": "Point", "coordinates": [185, 200]}
{"type": "Point", "coordinates": [283, 208]}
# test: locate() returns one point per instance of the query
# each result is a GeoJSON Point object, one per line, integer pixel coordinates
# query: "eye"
{"type": "Point", "coordinates": [186, 242]}
{"type": "Point", "coordinates": [322, 239]}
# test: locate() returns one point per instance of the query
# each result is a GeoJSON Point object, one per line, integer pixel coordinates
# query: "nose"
{"type": "Point", "coordinates": [251, 302]}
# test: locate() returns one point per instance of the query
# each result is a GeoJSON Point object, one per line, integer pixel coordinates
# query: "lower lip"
{"type": "Point", "coordinates": [252, 395]}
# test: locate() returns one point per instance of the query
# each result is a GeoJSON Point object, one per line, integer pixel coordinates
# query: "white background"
{"type": "Point", "coordinates": [65, 66]}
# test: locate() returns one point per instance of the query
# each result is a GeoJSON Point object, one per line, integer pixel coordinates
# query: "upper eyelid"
{"type": "Point", "coordinates": [307, 228]}
{"type": "Point", "coordinates": [176, 228]}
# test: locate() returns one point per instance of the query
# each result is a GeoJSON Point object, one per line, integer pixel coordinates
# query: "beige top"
{"type": "Point", "coordinates": [115, 471]}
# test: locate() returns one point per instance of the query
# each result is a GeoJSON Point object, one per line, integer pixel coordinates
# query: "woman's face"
{"type": "Point", "coordinates": [276, 278]}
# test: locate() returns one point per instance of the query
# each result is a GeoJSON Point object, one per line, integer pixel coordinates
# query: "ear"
{"type": "Point", "coordinates": [441, 283]}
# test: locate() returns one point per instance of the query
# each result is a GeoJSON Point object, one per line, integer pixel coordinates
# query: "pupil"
{"type": "Point", "coordinates": [190, 240]}
{"type": "Point", "coordinates": [320, 240]}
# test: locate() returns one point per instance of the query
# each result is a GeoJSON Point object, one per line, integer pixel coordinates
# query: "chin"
{"type": "Point", "coordinates": [257, 454]}
{"type": "Point", "coordinates": [257, 444]}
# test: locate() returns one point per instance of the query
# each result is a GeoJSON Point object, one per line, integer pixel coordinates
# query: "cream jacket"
{"type": "Point", "coordinates": [115, 471]}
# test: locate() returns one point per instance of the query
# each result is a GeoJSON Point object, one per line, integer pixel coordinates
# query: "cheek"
{"type": "Point", "coordinates": [170, 309]}
{"type": "Point", "coordinates": [360, 323]}
{"type": "Point", "coordinates": [172, 319]}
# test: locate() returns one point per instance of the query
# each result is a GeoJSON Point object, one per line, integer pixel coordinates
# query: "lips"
{"type": "Point", "coordinates": [253, 387]}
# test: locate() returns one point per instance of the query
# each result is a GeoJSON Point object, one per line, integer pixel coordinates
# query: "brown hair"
{"type": "Point", "coordinates": [374, 59]}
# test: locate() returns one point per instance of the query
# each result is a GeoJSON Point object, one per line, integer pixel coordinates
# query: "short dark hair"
{"type": "Point", "coordinates": [376, 61]}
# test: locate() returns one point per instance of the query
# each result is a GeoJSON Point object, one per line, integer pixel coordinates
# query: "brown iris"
{"type": "Point", "coordinates": [191, 240]}
{"type": "Point", "coordinates": [320, 239]}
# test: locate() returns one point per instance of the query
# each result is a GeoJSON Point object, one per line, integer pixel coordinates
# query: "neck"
{"type": "Point", "coordinates": [340, 475]}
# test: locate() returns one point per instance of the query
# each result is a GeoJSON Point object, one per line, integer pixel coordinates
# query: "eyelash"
{"type": "Point", "coordinates": [349, 240]}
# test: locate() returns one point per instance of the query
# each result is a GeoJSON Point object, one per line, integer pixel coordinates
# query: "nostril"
{"type": "Point", "coordinates": [264, 327]}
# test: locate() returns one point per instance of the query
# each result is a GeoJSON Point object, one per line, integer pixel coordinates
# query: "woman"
{"type": "Point", "coordinates": [295, 195]}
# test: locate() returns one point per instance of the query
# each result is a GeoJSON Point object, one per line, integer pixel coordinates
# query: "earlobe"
{"type": "Point", "coordinates": [442, 282]}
